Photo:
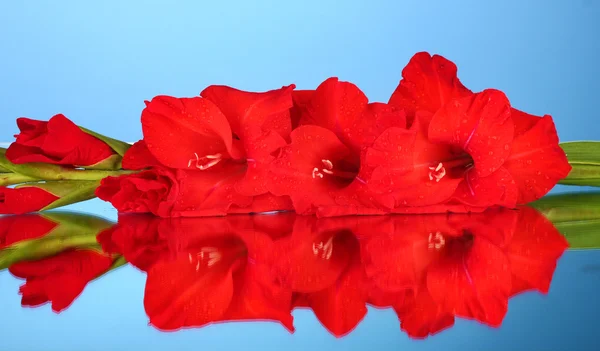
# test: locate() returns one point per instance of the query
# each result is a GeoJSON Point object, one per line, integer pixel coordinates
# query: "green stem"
{"type": "Point", "coordinates": [14, 178]}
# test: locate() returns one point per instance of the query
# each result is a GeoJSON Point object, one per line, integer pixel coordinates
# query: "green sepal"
{"type": "Point", "coordinates": [112, 162]}
{"type": "Point", "coordinates": [45, 171]}
{"type": "Point", "coordinates": [118, 146]}
{"type": "Point", "coordinates": [584, 157]}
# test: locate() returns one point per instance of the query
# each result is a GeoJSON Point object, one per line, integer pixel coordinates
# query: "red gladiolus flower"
{"type": "Point", "coordinates": [225, 130]}
{"type": "Point", "coordinates": [59, 279]}
{"type": "Point", "coordinates": [324, 169]}
{"type": "Point", "coordinates": [25, 199]}
{"type": "Point", "coordinates": [58, 141]}
{"type": "Point", "coordinates": [473, 149]}
{"type": "Point", "coordinates": [169, 192]}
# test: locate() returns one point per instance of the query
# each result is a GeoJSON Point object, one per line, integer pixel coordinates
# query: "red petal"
{"type": "Point", "coordinates": [480, 125]}
{"type": "Point", "coordinates": [534, 250]}
{"type": "Point", "coordinates": [536, 161]}
{"type": "Point", "coordinates": [310, 261]}
{"type": "Point", "coordinates": [498, 188]}
{"type": "Point", "coordinates": [301, 99]}
{"type": "Point", "coordinates": [523, 121]}
{"type": "Point", "coordinates": [472, 282]}
{"type": "Point", "coordinates": [342, 306]}
{"type": "Point", "coordinates": [14, 229]}
{"type": "Point", "coordinates": [420, 316]}
{"type": "Point", "coordinates": [405, 158]}
{"type": "Point", "coordinates": [176, 130]}
{"type": "Point", "coordinates": [155, 190]}
{"type": "Point", "coordinates": [179, 295]}
{"type": "Point", "coordinates": [255, 300]}
{"type": "Point", "coordinates": [245, 110]}
{"type": "Point", "coordinates": [32, 132]}
{"type": "Point", "coordinates": [265, 203]}
{"type": "Point", "coordinates": [61, 278]}
{"type": "Point", "coordinates": [210, 192]}
{"type": "Point", "coordinates": [139, 157]}
{"type": "Point", "coordinates": [428, 82]}
{"type": "Point", "coordinates": [59, 141]}
{"type": "Point", "coordinates": [23, 200]}
{"type": "Point", "coordinates": [292, 171]}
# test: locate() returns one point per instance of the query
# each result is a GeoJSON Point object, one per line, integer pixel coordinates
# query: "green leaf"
{"type": "Point", "coordinates": [118, 146]}
{"type": "Point", "coordinates": [584, 157]}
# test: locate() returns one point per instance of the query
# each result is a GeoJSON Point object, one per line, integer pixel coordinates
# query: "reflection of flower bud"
{"type": "Point", "coordinates": [57, 253]}
{"type": "Point", "coordinates": [32, 197]}
{"type": "Point", "coordinates": [37, 236]}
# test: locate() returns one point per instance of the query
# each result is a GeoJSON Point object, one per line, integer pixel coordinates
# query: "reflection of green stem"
{"type": "Point", "coordinates": [36, 249]}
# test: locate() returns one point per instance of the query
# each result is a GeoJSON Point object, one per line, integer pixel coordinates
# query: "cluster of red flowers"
{"type": "Point", "coordinates": [428, 268]}
{"type": "Point", "coordinates": [434, 147]}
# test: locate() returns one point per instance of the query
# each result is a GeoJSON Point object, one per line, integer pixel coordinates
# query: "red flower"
{"type": "Point", "coordinates": [25, 199]}
{"type": "Point", "coordinates": [169, 192]}
{"type": "Point", "coordinates": [58, 141]}
{"type": "Point", "coordinates": [321, 263]}
{"type": "Point", "coordinates": [59, 279]}
{"type": "Point", "coordinates": [467, 148]}
{"type": "Point", "coordinates": [324, 169]}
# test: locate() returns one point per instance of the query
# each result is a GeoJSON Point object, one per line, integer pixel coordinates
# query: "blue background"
{"type": "Point", "coordinates": [97, 62]}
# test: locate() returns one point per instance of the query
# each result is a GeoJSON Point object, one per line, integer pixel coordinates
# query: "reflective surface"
{"type": "Point", "coordinates": [282, 280]}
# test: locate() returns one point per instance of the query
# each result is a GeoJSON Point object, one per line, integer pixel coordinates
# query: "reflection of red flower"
{"type": "Point", "coordinates": [320, 262]}
{"type": "Point", "coordinates": [201, 270]}
{"type": "Point", "coordinates": [324, 169]}
{"type": "Point", "coordinates": [59, 279]}
{"type": "Point", "coordinates": [58, 141]}
{"type": "Point", "coordinates": [462, 266]}
{"type": "Point", "coordinates": [473, 149]}
{"type": "Point", "coordinates": [25, 227]}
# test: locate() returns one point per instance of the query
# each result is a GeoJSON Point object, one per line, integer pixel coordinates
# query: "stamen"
{"type": "Point", "coordinates": [328, 164]}
{"type": "Point", "coordinates": [316, 173]}
{"type": "Point", "coordinates": [436, 241]}
{"type": "Point", "coordinates": [326, 247]}
{"type": "Point", "coordinates": [212, 160]}
{"type": "Point", "coordinates": [437, 172]}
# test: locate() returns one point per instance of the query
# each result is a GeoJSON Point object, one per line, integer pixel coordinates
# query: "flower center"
{"type": "Point", "coordinates": [455, 168]}
{"type": "Point", "coordinates": [324, 250]}
{"type": "Point", "coordinates": [344, 173]}
{"type": "Point", "coordinates": [436, 241]}
{"type": "Point", "coordinates": [205, 162]}
{"type": "Point", "coordinates": [206, 256]}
